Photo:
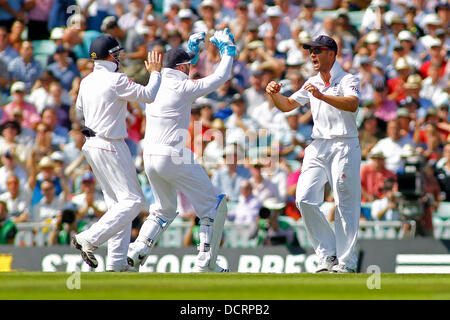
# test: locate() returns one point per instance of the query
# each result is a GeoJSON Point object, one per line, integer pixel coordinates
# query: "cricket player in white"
{"type": "Point", "coordinates": [334, 156]}
{"type": "Point", "coordinates": [170, 166]}
{"type": "Point", "coordinates": [102, 100]}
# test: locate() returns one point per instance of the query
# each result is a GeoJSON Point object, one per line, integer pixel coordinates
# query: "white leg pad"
{"type": "Point", "coordinates": [219, 221]}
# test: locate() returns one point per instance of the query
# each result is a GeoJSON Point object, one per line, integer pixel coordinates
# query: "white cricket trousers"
{"type": "Point", "coordinates": [336, 161]}
{"type": "Point", "coordinates": [167, 174]}
{"type": "Point", "coordinates": [114, 169]}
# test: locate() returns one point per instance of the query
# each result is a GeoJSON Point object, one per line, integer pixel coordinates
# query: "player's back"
{"type": "Point", "coordinates": [104, 111]}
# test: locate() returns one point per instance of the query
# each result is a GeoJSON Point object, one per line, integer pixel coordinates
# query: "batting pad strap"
{"type": "Point", "coordinates": [203, 247]}
{"type": "Point", "coordinates": [207, 221]}
{"type": "Point", "coordinates": [148, 242]}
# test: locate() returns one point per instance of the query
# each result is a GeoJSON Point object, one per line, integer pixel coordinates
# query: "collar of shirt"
{"type": "Point", "coordinates": [104, 64]}
{"type": "Point", "coordinates": [176, 74]}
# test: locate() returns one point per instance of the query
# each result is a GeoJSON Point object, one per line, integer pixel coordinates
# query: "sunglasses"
{"type": "Point", "coordinates": [317, 50]}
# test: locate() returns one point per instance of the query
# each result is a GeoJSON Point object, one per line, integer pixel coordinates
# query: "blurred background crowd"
{"type": "Point", "coordinates": [253, 153]}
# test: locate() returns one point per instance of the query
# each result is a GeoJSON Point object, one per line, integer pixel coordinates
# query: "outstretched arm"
{"type": "Point", "coordinates": [131, 91]}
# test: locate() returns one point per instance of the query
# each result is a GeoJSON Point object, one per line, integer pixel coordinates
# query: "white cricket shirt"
{"type": "Point", "coordinates": [168, 117]}
{"type": "Point", "coordinates": [330, 122]}
{"type": "Point", "coordinates": [103, 97]}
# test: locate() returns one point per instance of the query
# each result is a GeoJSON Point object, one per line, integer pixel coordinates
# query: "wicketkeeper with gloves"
{"type": "Point", "coordinates": [169, 165]}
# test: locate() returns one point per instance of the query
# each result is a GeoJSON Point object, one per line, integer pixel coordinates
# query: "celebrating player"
{"type": "Point", "coordinates": [334, 156]}
{"type": "Point", "coordinates": [102, 99]}
{"type": "Point", "coordinates": [171, 167]}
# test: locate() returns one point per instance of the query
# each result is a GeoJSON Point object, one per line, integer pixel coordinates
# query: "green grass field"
{"type": "Point", "coordinates": [229, 286]}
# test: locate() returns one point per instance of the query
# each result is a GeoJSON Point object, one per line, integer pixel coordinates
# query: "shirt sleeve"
{"type": "Point", "coordinates": [201, 87]}
{"type": "Point", "coordinates": [351, 86]}
{"type": "Point", "coordinates": [131, 91]}
{"type": "Point", "coordinates": [301, 96]}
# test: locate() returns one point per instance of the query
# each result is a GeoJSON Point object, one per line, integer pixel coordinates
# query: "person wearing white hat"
{"type": "Point", "coordinates": [30, 115]}
{"type": "Point", "coordinates": [432, 23]}
{"type": "Point", "coordinates": [275, 24]}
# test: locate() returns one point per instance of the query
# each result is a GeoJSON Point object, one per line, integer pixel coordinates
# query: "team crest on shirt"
{"type": "Point", "coordinates": [355, 89]}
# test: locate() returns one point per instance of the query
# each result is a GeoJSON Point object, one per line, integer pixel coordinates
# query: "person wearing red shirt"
{"type": "Point", "coordinates": [396, 90]}
{"type": "Point", "coordinates": [373, 175]}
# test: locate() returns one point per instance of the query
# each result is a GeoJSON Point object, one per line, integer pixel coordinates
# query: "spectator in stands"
{"type": "Point", "coordinates": [64, 69]}
{"type": "Point", "coordinates": [437, 56]}
{"type": "Point", "coordinates": [369, 134]}
{"type": "Point", "coordinates": [9, 141]}
{"type": "Point", "coordinates": [373, 174]}
{"type": "Point", "coordinates": [7, 53]}
{"type": "Point", "coordinates": [248, 206]}
{"type": "Point", "coordinates": [273, 23]}
{"type": "Point", "coordinates": [51, 204]}
{"type": "Point", "coordinates": [30, 115]}
{"type": "Point", "coordinates": [432, 117]}
{"type": "Point", "coordinates": [405, 122]}
{"type": "Point", "coordinates": [385, 107]}
{"type": "Point", "coordinates": [59, 133]}
{"type": "Point", "coordinates": [24, 67]}
{"type": "Point", "coordinates": [396, 85]}
{"type": "Point", "coordinates": [442, 172]}
{"type": "Point", "coordinates": [368, 79]}
{"type": "Point", "coordinates": [223, 97]}
{"type": "Point", "coordinates": [8, 229]}
{"type": "Point", "coordinates": [377, 53]}
{"type": "Point", "coordinates": [15, 35]}
{"type": "Point", "coordinates": [431, 23]}
{"type": "Point", "coordinates": [386, 207]}
{"type": "Point", "coordinates": [10, 11]}
{"type": "Point", "coordinates": [432, 148]}
{"type": "Point", "coordinates": [10, 165]}
{"type": "Point", "coordinates": [241, 128]}
{"type": "Point", "coordinates": [17, 199]}
{"type": "Point", "coordinates": [228, 178]}
{"type": "Point", "coordinates": [254, 95]}
{"type": "Point", "coordinates": [90, 203]}
{"type": "Point", "coordinates": [130, 18]}
{"type": "Point", "coordinates": [78, 38]}
{"type": "Point", "coordinates": [213, 153]}
{"type": "Point", "coordinates": [307, 19]}
{"type": "Point", "coordinates": [262, 188]}
{"type": "Point", "coordinates": [257, 11]}
{"type": "Point", "coordinates": [38, 15]}
{"type": "Point", "coordinates": [135, 48]}
{"type": "Point", "coordinates": [292, 139]}
{"type": "Point", "coordinates": [392, 146]}
{"type": "Point", "coordinates": [207, 12]}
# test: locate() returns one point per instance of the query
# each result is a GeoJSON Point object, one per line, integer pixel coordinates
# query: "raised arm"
{"type": "Point", "coordinates": [131, 91]}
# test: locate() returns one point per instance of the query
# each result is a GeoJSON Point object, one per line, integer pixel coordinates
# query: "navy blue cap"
{"type": "Point", "coordinates": [322, 41]}
{"type": "Point", "coordinates": [103, 46]}
{"type": "Point", "coordinates": [175, 57]}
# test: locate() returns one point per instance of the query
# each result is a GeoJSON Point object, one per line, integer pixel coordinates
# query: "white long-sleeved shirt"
{"type": "Point", "coordinates": [168, 117]}
{"type": "Point", "coordinates": [330, 122]}
{"type": "Point", "coordinates": [103, 97]}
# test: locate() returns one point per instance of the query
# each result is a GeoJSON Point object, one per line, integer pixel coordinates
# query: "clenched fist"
{"type": "Point", "coordinates": [273, 87]}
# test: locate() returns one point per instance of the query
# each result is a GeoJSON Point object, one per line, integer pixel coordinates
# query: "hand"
{"type": "Point", "coordinates": [224, 41]}
{"type": "Point", "coordinates": [194, 44]}
{"type": "Point", "coordinates": [313, 90]}
{"type": "Point", "coordinates": [154, 61]}
{"type": "Point", "coordinates": [273, 88]}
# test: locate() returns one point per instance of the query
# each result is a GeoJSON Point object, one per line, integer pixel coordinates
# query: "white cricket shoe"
{"type": "Point", "coordinates": [216, 268]}
{"type": "Point", "coordinates": [126, 268]}
{"type": "Point", "coordinates": [326, 264]}
{"type": "Point", "coordinates": [340, 268]}
{"type": "Point", "coordinates": [138, 252]}
{"type": "Point", "coordinates": [87, 250]}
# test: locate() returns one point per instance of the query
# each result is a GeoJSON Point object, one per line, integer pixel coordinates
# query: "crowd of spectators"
{"type": "Point", "coordinates": [253, 152]}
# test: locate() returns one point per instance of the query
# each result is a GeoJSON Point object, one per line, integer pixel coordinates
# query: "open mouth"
{"type": "Point", "coordinates": [315, 62]}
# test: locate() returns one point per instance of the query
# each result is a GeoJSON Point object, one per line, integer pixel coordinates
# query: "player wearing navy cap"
{"type": "Point", "coordinates": [334, 156]}
{"type": "Point", "coordinates": [102, 100]}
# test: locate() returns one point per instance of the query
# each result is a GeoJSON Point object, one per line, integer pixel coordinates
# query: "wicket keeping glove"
{"type": "Point", "coordinates": [194, 44]}
{"type": "Point", "coordinates": [224, 41]}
